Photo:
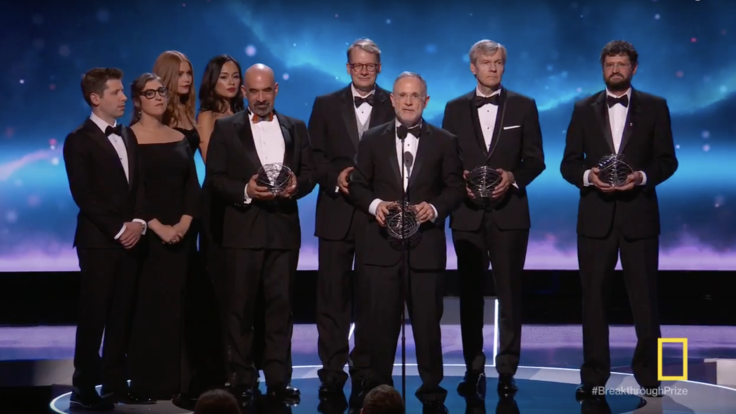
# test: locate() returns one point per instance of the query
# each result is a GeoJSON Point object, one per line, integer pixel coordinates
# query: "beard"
{"type": "Point", "coordinates": [618, 83]}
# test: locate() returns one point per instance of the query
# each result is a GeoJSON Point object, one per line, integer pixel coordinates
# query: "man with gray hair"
{"type": "Point", "coordinates": [336, 126]}
{"type": "Point", "coordinates": [408, 160]}
{"type": "Point", "coordinates": [497, 128]}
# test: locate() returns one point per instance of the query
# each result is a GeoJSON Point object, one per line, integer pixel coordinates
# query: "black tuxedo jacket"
{"type": "Point", "coordinates": [333, 132]}
{"type": "Point", "coordinates": [232, 160]}
{"type": "Point", "coordinates": [436, 178]}
{"type": "Point", "coordinates": [517, 149]}
{"type": "Point", "coordinates": [647, 145]}
{"type": "Point", "coordinates": [106, 200]}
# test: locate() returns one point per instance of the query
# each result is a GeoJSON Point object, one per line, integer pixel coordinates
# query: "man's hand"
{"type": "Point", "coordinates": [382, 211]}
{"type": "Point", "coordinates": [507, 178]}
{"type": "Point", "coordinates": [342, 180]}
{"type": "Point", "coordinates": [632, 180]}
{"type": "Point", "coordinates": [600, 185]}
{"type": "Point", "coordinates": [131, 235]}
{"type": "Point", "coordinates": [467, 189]}
{"type": "Point", "coordinates": [424, 211]}
{"type": "Point", "coordinates": [290, 190]}
{"type": "Point", "coordinates": [258, 192]}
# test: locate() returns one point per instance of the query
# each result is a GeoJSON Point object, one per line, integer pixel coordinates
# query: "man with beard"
{"type": "Point", "coordinates": [498, 128]}
{"type": "Point", "coordinates": [335, 128]}
{"type": "Point", "coordinates": [619, 219]}
{"type": "Point", "coordinates": [261, 231]}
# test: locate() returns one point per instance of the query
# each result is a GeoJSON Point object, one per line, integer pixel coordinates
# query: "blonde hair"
{"type": "Point", "coordinates": [366, 45]}
{"type": "Point", "coordinates": [486, 47]}
{"type": "Point", "coordinates": [167, 68]}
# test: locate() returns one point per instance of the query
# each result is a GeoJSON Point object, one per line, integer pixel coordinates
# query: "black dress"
{"type": "Point", "coordinates": [157, 337]}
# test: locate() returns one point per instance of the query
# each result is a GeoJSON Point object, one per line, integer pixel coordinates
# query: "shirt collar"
{"type": "Point", "coordinates": [479, 93]}
{"type": "Point", "coordinates": [355, 91]}
{"type": "Point", "coordinates": [101, 123]}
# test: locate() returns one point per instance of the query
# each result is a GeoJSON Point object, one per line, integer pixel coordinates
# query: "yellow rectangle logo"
{"type": "Point", "coordinates": [662, 341]}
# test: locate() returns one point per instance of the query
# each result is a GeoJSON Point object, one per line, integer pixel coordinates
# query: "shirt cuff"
{"type": "Point", "coordinates": [374, 206]}
{"type": "Point", "coordinates": [337, 188]}
{"type": "Point", "coordinates": [120, 233]}
{"type": "Point", "coordinates": [145, 225]}
{"type": "Point", "coordinates": [435, 212]}
{"type": "Point", "coordinates": [245, 194]}
{"type": "Point", "coordinates": [586, 178]}
{"type": "Point", "coordinates": [643, 178]}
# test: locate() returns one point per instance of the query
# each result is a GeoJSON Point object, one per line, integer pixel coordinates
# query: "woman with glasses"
{"type": "Point", "coordinates": [173, 197]}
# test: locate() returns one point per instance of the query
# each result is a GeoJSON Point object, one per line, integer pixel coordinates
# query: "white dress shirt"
{"type": "Point", "coordinates": [487, 115]}
{"type": "Point", "coordinates": [410, 144]}
{"type": "Point", "coordinates": [119, 145]}
{"type": "Point", "coordinates": [363, 112]}
{"type": "Point", "coordinates": [617, 119]}
{"type": "Point", "coordinates": [269, 142]}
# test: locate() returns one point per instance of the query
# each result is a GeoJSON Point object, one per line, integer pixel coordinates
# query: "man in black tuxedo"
{"type": "Point", "coordinates": [433, 185]}
{"type": "Point", "coordinates": [335, 128]}
{"type": "Point", "coordinates": [261, 231]}
{"type": "Point", "coordinates": [104, 172]}
{"type": "Point", "coordinates": [623, 219]}
{"type": "Point", "coordinates": [499, 128]}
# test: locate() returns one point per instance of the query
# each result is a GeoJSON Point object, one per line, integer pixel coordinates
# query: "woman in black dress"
{"type": "Point", "coordinates": [173, 198]}
{"type": "Point", "coordinates": [202, 357]}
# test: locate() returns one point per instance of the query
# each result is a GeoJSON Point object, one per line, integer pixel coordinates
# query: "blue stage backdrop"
{"type": "Point", "coordinates": [687, 49]}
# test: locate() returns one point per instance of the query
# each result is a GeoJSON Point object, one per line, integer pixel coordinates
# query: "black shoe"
{"type": "Point", "coordinates": [244, 392]}
{"type": "Point", "coordinates": [652, 392]}
{"type": "Point", "coordinates": [185, 400]}
{"type": "Point", "coordinates": [331, 388]}
{"type": "Point", "coordinates": [360, 388]}
{"type": "Point", "coordinates": [587, 391]}
{"type": "Point", "coordinates": [473, 385]}
{"type": "Point", "coordinates": [126, 396]}
{"type": "Point", "coordinates": [334, 403]}
{"type": "Point", "coordinates": [89, 401]}
{"type": "Point", "coordinates": [434, 407]}
{"type": "Point", "coordinates": [284, 392]}
{"type": "Point", "coordinates": [506, 384]}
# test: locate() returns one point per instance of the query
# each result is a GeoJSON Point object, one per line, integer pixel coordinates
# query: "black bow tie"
{"type": "Point", "coordinates": [117, 130]}
{"type": "Point", "coordinates": [624, 100]}
{"type": "Point", "coordinates": [484, 100]}
{"type": "Point", "coordinates": [402, 131]}
{"type": "Point", "coordinates": [360, 101]}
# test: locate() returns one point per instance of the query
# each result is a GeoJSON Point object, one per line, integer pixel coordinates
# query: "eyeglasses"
{"type": "Point", "coordinates": [413, 97]}
{"type": "Point", "coordinates": [151, 93]}
{"type": "Point", "coordinates": [360, 66]}
{"type": "Point", "coordinates": [616, 65]}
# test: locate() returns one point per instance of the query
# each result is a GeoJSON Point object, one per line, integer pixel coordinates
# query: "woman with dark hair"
{"type": "Point", "coordinates": [173, 197]}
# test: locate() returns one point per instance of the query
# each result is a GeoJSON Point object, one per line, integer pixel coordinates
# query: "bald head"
{"type": "Point", "coordinates": [260, 89]}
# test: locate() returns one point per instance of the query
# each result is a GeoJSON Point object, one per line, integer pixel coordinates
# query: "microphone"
{"type": "Point", "coordinates": [408, 161]}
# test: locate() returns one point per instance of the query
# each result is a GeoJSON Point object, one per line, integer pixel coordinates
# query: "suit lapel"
{"type": "Point", "coordinates": [498, 127]}
{"type": "Point", "coordinates": [131, 155]}
{"type": "Point", "coordinates": [601, 111]}
{"type": "Point", "coordinates": [390, 141]}
{"type": "Point", "coordinates": [100, 138]}
{"type": "Point", "coordinates": [380, 111]}
{"type": "Point", "coordinates": [631, 120]}
{"type": "Point", "coordinates": [347, 108]}
{"type": "Point", "coordinates": [288, 142]}
{"type": "Point", "coordinates": [423, 143]}
{"type": "Point", "coordinates": [478, 131]}
{"type": "Point", "coordinates": [245, 134]}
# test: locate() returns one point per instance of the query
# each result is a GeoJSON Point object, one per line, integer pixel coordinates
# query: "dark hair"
{"type": "Point", "coordinates": [620, 47]}
{"type": "Point", "coordinates": [216, 402]}
{"type": "Point", "coordinates": [136, 89]}
{"type": "Point", "coordinates": [95, 81]}
{"type": "Point", "coordinates": [383, 399]}
{"type": "Point", "coordinates": [209, 100]}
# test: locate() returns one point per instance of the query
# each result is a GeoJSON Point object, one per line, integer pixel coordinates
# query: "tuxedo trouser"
{"type": "Point", "coordinates": [640, 262]}
{"type": "Point", "coordinates": [424, 300]}
{"type": "Point", "coordinates": [108, 282]}
{"type": "Point", "coordinates": [274, 271]}
{"type": "Point", "coordinates": [505, 251]}
{"type": "Point", "coordinates": [341, 298]}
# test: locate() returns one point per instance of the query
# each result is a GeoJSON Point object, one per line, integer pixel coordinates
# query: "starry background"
{"type": "Point", "coordinates": [687, 49]}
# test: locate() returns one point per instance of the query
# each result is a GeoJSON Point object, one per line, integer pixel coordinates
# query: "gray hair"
{"type": "Point", "coordinates": [411, 75]}
{"type": "Point", "coordinates": [486, 47]}
{"type": "Point", "coordinates": [366, 45]}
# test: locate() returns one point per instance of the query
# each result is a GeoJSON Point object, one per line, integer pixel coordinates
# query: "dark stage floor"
{"type": "Point", "coordinates": [551, 355]}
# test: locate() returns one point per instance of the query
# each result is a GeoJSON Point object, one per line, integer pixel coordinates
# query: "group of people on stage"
{"type": "Point", "coordinates": [145, 279]}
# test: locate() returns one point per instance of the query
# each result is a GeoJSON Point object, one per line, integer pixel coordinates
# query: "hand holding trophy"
{"type": "Point", "coordinates": [278, 178]}
{"type": "Point", "coordinates": [614, 173]}
{"type": "Point", "coordinates": [481, 182]}
{"type": "Point", "coordinates": [401, 222]}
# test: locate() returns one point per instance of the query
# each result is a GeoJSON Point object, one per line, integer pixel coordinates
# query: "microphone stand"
{"type": "Point", "coordinates": [405, 282]}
